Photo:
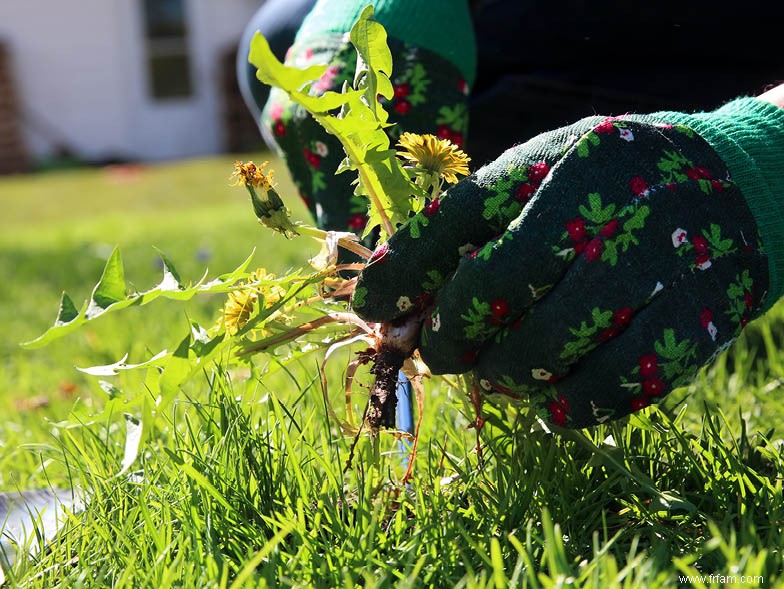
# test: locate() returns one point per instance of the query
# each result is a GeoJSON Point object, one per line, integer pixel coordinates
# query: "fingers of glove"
{"type": "Point", "coordinates": [685, 327]}
{"type": "Point", "coordinates": [598, 297]}
{"type": "Point", "coordinates": [590, 202]}
{"type": "Point", "coordinates": [420, 257]}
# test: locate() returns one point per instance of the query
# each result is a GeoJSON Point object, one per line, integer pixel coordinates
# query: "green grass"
{"type": "Point", "coordinates": [240, 482]}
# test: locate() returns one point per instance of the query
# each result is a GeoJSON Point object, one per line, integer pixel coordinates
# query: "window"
{"type": "Point", "coordinates": [168, 61]}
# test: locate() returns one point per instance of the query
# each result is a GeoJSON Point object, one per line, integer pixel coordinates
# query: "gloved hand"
{"type": "Point", "coordinates": [433, 50]}
{"type": "Point", "coordinates": [596, 267]}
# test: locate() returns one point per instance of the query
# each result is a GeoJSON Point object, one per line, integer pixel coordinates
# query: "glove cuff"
{"type": "Point", "coordinates": [748, 134]}
{"type": "Point", "coordinates": [440, 26]}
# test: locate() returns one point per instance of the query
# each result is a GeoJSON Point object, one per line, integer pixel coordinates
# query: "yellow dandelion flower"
{"type": "Point", "coordinates": [249, 174]}
{"type": "Point", "coordinates": [439, 157]}
{"type": "Point", "coordinates": [272, 293]}
{"type": "Point", "coordinates": [238, 309]}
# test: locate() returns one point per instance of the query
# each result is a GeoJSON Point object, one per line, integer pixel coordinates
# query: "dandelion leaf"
{"type": "Point", "coordinates": [110, 295]}
{"type": "Point", "coordinates": [360, 122]}
{"type": "Point", "coordinates": [68, 311]}
{"type": "Point", "coordinates": [111, 287]}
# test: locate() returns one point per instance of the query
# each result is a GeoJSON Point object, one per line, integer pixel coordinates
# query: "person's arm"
{"type": "Point", "coordinates": [775, 96]}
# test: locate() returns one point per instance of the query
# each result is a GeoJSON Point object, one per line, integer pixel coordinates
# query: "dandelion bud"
{"type": "Point", "coordinates": [267, 204]}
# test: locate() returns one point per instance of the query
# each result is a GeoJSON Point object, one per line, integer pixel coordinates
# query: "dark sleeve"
{"type": "Point", "coordinates": [278, 21]}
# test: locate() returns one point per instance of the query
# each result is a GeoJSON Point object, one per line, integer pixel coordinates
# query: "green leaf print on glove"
{"type": "Point", "coordinates": [590, 270]}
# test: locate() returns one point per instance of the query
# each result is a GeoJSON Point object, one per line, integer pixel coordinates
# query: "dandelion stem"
{"type": "Point", "coordinates": [344, 242]}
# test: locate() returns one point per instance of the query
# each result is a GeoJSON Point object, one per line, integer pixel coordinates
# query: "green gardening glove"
{"type": "Point", "coordinates": [596, 267]}
{"type": "Point", "coordinates": [433, 50]}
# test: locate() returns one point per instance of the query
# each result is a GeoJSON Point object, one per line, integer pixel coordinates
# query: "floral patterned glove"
{"type": "Point", "coordinates": [596, 267]}
{"type": "Point", "coordinates": [434, 57]}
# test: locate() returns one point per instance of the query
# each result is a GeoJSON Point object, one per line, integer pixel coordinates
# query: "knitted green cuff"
{"type": "Point", "coordinates": [441, 26]}
{"type": "Point", "coordinates": [748, 134]}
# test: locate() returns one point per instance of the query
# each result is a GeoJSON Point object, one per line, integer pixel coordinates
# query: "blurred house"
{"type": "Point", "coordinates": [120, 80]}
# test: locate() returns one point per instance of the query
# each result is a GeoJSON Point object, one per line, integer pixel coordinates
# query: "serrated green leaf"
{"type": "Point", "coordinates": [68, 311]}
{"type": "Point", "coordinates": [109, 287]}
{"type": "Point", "coordinates": [203, 344]}
{"type": "Point", "coordinates": [176, 371]}
{"type": "Point", "coordinates": [113, 369]}
{"type": "Point", "coordinates": [274, 73]}
{"type": "Point", "coordinates": [171, 278]}
{"type": "Point", "coordinates": [370, 40]}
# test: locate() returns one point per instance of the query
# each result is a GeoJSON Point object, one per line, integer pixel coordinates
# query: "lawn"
{"type": "Point", "coordinates": [240, 482]}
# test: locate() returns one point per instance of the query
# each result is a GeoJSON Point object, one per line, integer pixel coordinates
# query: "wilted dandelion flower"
{"type": "Point", "coordinates": [249, 174]}
{"type": "Point", "coordinates": [436, 157]}
{"type": "Point", "coordinates": [267, 204]}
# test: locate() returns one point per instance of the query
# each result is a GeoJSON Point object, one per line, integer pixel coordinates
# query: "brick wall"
{"type": "Point", "coordinates": [13, 157]}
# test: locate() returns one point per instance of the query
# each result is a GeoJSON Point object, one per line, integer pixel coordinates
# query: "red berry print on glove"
{"type": "Point", "coordinates": [444, 132]}
{"type": "Point", "coordinates": [610, 229]}
{"type": "Point", "coordinates": [537, 172]}
{"type": "Point", "coordinates": [697, 173]}
{"type": "Point", "coordinates": [576, 229]}
{"type": "Point", "coordinates": [279, 128]}
{"type": "Point", "coordinates": [432, 207]}
{"type": "Point", "coordinates": [402, 107]}
{"type": "Point", "coordinates": [703, 261]}
{"type": "Point", "coordinates": [524, 192]}
{"type": "Point", "coordinates": [379, 254]}
{"type": "Point", "coordinates": [357, 222]}
{"type": "Point", "coordinates": [653, 387]}
{"type": "Point", "coordinates": [638, 186]}
{"type": "Point", "coordinates": [593, 249]}
{"type": "Point", "coordinates": [648, 365]}
{"type": "Point", "coordinates": [563, 402]}
{"type": "Point", "coordinates": [706, 321]}
{"type": "Point", "coordinates": [605, 126]}
{"type": "Point", "coordinates": [609, 333]}
{"type": "Point", "coordinates": [557, 414]}
{"type": "Point", "coordinates": [639, 403]}
{"type": "Point", "coordinates": [402, 90]}
{"type": "Point", "coordinates": [700, 244]}
{"type": "Point", "coordinates": [312, 158]}
{"type": "Point", "coordinates": [621, 317]}
{"type": "Point", "coordinates": [498, 308]}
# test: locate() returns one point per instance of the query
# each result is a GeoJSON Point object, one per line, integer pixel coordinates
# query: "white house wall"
{"type": "Point", "coordinates": [81, 77]}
